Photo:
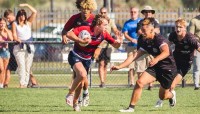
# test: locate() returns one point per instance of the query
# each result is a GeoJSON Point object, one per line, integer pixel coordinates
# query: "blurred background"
{"type": "Point", "coordinates": [50, 61]}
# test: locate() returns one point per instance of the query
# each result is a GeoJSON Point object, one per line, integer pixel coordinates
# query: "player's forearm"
{"type": "Point", "coordinates": [127, 62]}
{"type": "Point", "coordinates": [74, 38]}
{"type": "Point", "coordinates": [162, 56]}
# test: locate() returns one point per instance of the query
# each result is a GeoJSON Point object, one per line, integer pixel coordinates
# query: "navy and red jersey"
{"type": "Point", "coordinates": [153, 47]}
{"type": "Point", "coordinates": [88, 51]}
{"type": "Point", "coordinates": [76, 21]}
{"type": "Point", "coordinates": [184, 49]}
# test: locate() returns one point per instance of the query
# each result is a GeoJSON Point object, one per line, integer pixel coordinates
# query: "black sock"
{"type": "Point", "coordinates": [132, 106]}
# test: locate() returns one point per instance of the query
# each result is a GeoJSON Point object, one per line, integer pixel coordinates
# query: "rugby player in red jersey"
{"type": "Point", "coordinates": [81, 56]}
{"type": "Point", "coordinates": [84, 18]}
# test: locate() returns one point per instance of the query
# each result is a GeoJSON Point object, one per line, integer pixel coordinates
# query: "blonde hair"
{"type": "Point", "coordinates": [181, 22]}
{"type": "Point", "coordinates": [86, 4]}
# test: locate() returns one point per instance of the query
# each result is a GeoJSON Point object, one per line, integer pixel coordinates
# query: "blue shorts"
{"type": "Point", "coordinates": [72, 59]}
{"type": "Point", "coordinates": [4, 53]}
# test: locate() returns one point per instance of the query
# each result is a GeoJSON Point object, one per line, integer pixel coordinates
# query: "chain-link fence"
{"type": "Point", "coordinates": [50, 67]}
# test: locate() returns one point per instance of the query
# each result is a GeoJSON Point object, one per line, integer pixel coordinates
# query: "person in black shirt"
{"type": "Point", "coordinates": [148, 12]}
{"type": "Point", "coordinates": [185, 45]}
{"type": "Point", "coordinates": [161, 68]}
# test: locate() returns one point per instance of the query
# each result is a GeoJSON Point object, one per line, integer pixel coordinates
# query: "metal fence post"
{"type": "Point", "coordinates": [90, 77]}
{"type": "Point", "coordinates": [180, 12]}
{"type": "Point", "coordinates": [183, 83]}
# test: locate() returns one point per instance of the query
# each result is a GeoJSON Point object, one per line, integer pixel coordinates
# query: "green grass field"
{"type": "Point", "coordinates": [108, 101]}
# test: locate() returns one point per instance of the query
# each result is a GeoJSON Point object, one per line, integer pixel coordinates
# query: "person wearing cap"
{"type": "Point", "coordinates": [194, 28]}
{"type": "Point", "coordinates": [161, 68]}
{"type": "Point", "coordinates": [130, 33]}
{"type": "Point", "coordinates": [148, 12]}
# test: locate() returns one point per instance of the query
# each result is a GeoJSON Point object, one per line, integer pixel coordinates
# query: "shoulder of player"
{"type": "Point", "coordinates": [190, 36]}
{"type": "Point", "coordinates": [105, 34]}
{"type": "Point", "coordinates": [75, 16]}
{"type": "Point", "coordinates": [160, 38]}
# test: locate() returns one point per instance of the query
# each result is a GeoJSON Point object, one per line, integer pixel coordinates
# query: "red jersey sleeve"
{"type": "Point", "coordinates": [108, 38]}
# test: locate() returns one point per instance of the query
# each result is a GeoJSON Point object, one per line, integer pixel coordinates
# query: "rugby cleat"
{"type": "Point", "coordinates": [86, 100]}
{"type": "Point", "coordinates": [127, 110]}
{"type": "Point", "coordinates": [69, 99]}
{"type": "Point", "coordinates": [159, 103]}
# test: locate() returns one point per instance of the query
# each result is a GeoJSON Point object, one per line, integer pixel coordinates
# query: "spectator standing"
{"type": "Point", "coordinates": [12, 65]}
{"type": "Point", "coordinates": [23, 52]}
{"type": "Point", "coordinates": [194, 28]}
{"type": "Point", "coordinates": [148, 12]}
{"type": "Point", "coordinates": [103, 52]}
{"type": "Point", "coordinates": [5, 35]}
{"type": "Point", "coordinates": [84, 18]}
{"type": "Point", "coordinates": [130, 34]}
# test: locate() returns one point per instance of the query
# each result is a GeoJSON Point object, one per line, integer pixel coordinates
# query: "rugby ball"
{"type": "Point", "coordinates": [84, 34]}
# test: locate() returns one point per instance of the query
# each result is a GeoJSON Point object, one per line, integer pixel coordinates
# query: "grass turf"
{"type": "Point", "coordinates": [107, 100]}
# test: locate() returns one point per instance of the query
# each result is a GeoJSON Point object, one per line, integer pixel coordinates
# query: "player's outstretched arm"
{"type": "Point", "coordinates": [118, 41]}
{"type": "Point", "coordinates": [128, 61]}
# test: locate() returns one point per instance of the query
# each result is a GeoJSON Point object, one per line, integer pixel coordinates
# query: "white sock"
{"type": "Point", "coordinates": [1, 85]}
{"type": "Point", "coordinates": [85, 91]}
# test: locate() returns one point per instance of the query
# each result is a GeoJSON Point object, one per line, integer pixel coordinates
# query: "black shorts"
{"type": "Point", "coordinates": [183, 68]}
{"type": "Point", "coordinates": [72, 59]}
{"type": "Point", "coordinates": [105, 55]}
{"type": "Point", "coordinates": [164, 76]}
{"type": "Point", "coordinates": [12, 65]}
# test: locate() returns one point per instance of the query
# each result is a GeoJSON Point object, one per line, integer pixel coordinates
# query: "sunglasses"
{"type": "Point", "coordinates": [103, 12]}
{"type": "Point", "coordinates": [133, 12]}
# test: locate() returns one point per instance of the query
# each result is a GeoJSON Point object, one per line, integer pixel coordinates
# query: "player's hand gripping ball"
{"type": "Point", "coordinates": [85, 35]}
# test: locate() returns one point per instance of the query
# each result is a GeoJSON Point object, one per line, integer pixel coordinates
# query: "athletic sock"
{"type": "Point", "coordinates": [1, 85]}
{"type": "Point", "coordinates": [85, 91]}
{"type": "Point", "coordinates": [132, 106]}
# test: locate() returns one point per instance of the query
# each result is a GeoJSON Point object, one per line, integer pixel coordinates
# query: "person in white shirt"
{"type": "Point", "coordinates": [23, 52]}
